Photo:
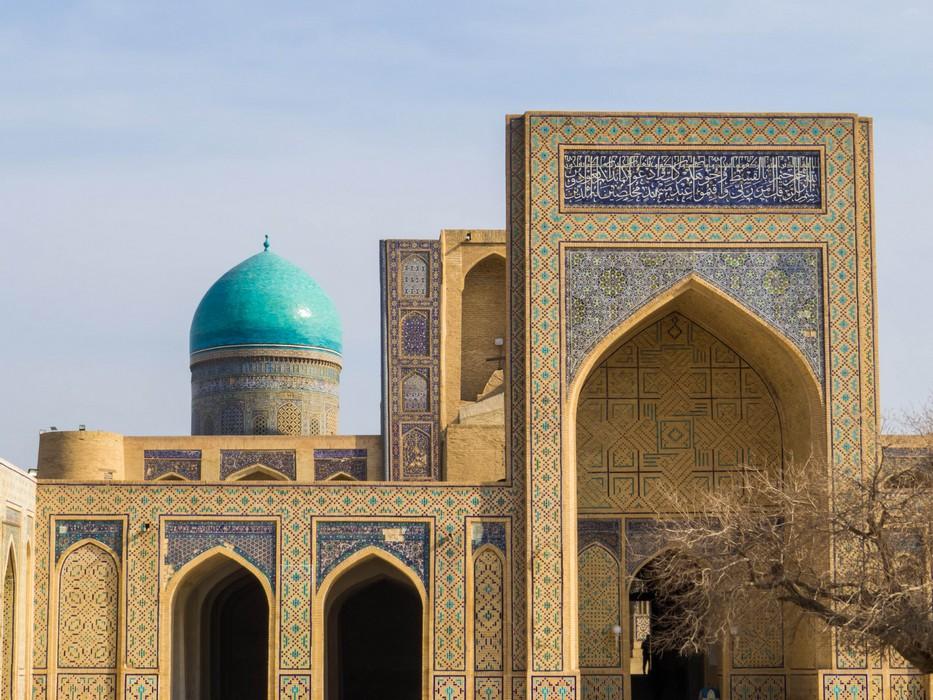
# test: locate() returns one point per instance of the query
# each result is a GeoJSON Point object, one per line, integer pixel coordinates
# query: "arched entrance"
{"type": "Point", "coordinates": [681, 398]}
{"type": "Point", "coordinates": [663, 675]}
{"type": "Point", "coordinates": [374, 630]}
{"type": "Point", "coordinates": [220, 633]}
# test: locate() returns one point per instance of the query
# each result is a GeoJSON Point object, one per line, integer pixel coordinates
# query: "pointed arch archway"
{"type": "Point", "coordinates": [371, 632]}
{"type": "Point", "coordinates": [217, 630]}
{"type": "Point", "coordinates": [482, 322]}
{"type": "Point", "coordinates": [735, 352]}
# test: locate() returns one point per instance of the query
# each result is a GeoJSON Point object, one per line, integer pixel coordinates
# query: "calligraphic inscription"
{"type": "Point", "coordinates": [621, 178]}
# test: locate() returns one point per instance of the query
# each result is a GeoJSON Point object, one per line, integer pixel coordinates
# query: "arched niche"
{"type": "Point", "coordinates": [9, 631]}
{"type": "Point", "coordinates": [394, 623]}
{"type": "Point", "coordinates": [217, 630]}
{"type": "Point", "coordinates": [482, 321]}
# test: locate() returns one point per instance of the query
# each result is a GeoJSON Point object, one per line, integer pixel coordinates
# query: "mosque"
{"type": "Point", "coordinates": [674, 298]}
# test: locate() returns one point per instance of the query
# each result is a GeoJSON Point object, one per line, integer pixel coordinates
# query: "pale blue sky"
{"type": "Point", "coordinates": [145, 148]}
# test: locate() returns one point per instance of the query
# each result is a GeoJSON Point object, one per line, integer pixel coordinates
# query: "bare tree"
{"type": "Point", "coordinates": [773, 535]}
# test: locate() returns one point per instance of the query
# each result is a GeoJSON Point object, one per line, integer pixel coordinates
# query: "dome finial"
{"type": "Point", "coordinates": [265, 244]}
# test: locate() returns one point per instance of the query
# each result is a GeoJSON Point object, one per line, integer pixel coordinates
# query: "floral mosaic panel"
{"type": "Point", "coordinates": [108, 532]}
{"type": "Point", "coordinates": [295, 687]}
{"type": "Point", "coordinates": [411, 344]}
{"type": "Point", "coordinates": [184, 463]}
{"type": "Point", "coordinates": [782, 286]}
{"type": "Point", "coordinates": [281, 461]}
{"type": "Point", "coordinates": [252, 540]}
{"type": "Point", "coordinates": [85, 686]}
{"type": "Point", "coordinates": [328, 462]}
{"type": "Point", "coordinates": [845, 686]}
{"type": "Point", "coordinates": [141, 687]}
{"type": "Point", "coordinates": [409, 541]}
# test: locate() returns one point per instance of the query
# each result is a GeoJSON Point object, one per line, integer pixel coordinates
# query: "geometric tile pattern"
{"type": "Point", "coordinates": [488, 610]}
{"type": "Point", "coordinates": [85, 686]}
{"type": "Point", "coordinates": [673, 406]}
{"type": "Point", "coordinates": [108, 532]}
{"type": "Point", "coordinates": [141, 687]}
{"type": "Point", "coordinates": [553, 688]}
{"type": "Point", "coordinates": [488, 689]}
{"type": "Point", "coordinates": [411, 271]}
{"type": "Point", "coordinates": [599, 610]}
{"type": "Point", "coordinates": [518, 688]}
{"type": "Point", "coordinates": [88, 598]}
{"type": "Point", "coordinates": [781, 286]}
{"type": "Point", "coordinates": [252, 540]}
{"type": "Point", "coordinates": [844, 230]}
{"type": "Point", "coordinates": [758, 687]}
{"type": "Point", "coordinates": [39, 687]}
{"type": "Point", "coordinates": [759, 642]}
{"type": "Point", "coordinates": [327, 463]}
{"type": "Point", "coordinates": [599, 687]}
{"type": "Point", "coordinates": [449, 688]}
{"type": "Point", "coordinates": [281, 461]}
{"type": "Point", "coordinates": [294, 687]}
{"type": "Point", "coordinates": [410, 542]}
{"type": "Point", "coordinates": [184, 463]}
{"type": "Point", "coordinates": [907, 687]}
{"type": "Point", "coordinates": [845, 686]}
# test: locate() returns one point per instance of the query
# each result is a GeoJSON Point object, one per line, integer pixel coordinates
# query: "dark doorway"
{"type": "Point", "coordinates": [240, 631]}
{"type": "Point", "coordinates": [670, 675]}
{"type": "Point", "coordinates": [220, 634]}
{"type": "Point", "coordinates": [374, 641]}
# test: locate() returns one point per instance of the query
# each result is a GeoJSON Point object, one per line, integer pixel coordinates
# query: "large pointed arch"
{"type": "Point", "coordinates": [184, 606]}
{"type": "Point", "coordinates": [357, 570]}
{"type": "Point", "coordinates": [9, 629]}
{"type": "Point", "coordinates": [789, 379]}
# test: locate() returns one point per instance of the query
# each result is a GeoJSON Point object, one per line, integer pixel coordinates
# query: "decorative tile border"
{"type": "Point", "coordinates": [406, 540]}
{"type": "Point", "coordinates": [281, 461]}
{"type": "Point", "coordinates": [184, 463]}
{"type": "Point", "coordinates": [254, 540]}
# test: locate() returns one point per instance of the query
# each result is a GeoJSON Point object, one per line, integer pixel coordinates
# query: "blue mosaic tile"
{"type": "Point", "coordinates": [330, 462]}
{"type": "Point", "coordinates": [281, 461]}
{"type": "Point", "coordinates": [415, 334]}
{"type": "Point", "coordinates": [492, 533]}
{"type": "Point", "coordinates": [336, 541]}
{"type": "Point", "coordinates": [602, 531]}
{"type": "Point", "coordinates": [611, 179]}
{"type": "Point", "coordinates": [107, 532]}
{"type": "Point", "coordinates": [254, 540]}
{"type": "Point", "coordinates": [185, 463]}
{"type": "Point", "coordinates": [782, 286]}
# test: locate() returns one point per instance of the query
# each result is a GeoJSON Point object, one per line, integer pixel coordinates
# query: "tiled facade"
{"type": "Point", "coordinates": [608, 335]}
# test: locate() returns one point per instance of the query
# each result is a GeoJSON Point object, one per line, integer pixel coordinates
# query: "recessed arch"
{"type": "Point", "coordinates": [88, 589]}
{"type": "Point", "coordinates": [789, 376]}
{"type": "Point", "coordinates": [482, 322]}
{"type": "Point", "coordinates": [355, 577]}
{"type": "Point", "coordinates": [216, 599]}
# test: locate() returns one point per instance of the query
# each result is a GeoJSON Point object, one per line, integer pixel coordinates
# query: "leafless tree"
{"type": "Point", "coordinates": [772, 535]}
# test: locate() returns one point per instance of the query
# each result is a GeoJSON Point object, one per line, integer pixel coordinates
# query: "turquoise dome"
{"type": "Point", "coordinates": [266, 300]}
